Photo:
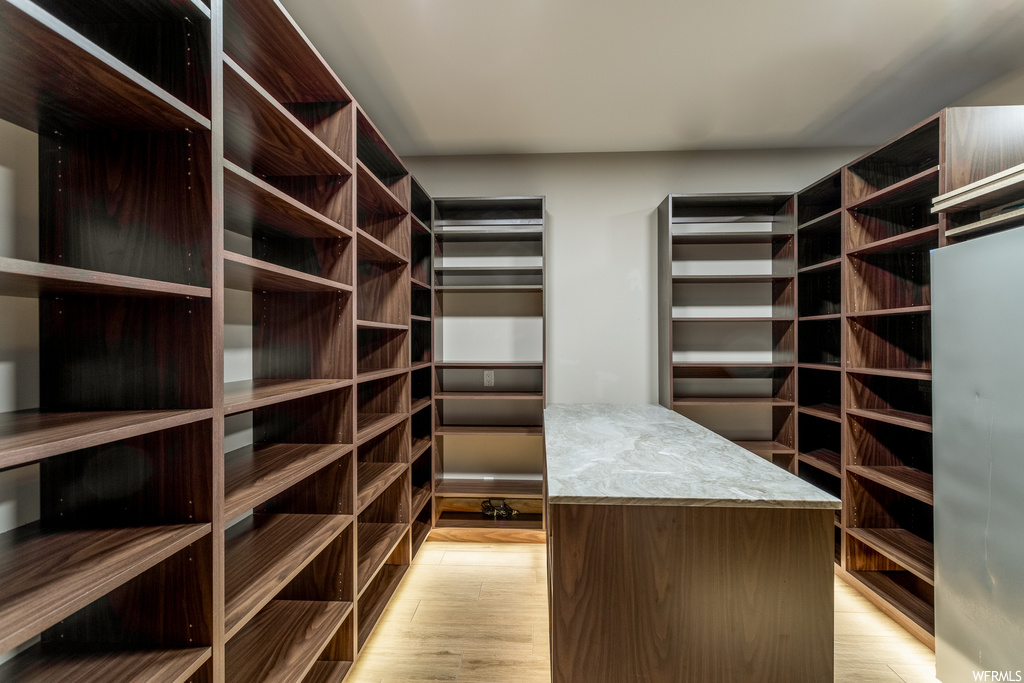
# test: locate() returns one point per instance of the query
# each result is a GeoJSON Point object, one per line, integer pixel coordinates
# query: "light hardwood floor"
{"type": "Point", "coordinates": [477, 613]}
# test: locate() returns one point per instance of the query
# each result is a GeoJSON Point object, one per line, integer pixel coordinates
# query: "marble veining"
{"type": "Point", "coordinates": [606, 454]}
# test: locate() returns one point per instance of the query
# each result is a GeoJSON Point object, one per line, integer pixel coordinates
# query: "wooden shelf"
{"type": "Point", "coordinates": [991, 191]}
{"type": "Point", "coordinates": [896, 417]}
{"type": "Point", "coordinates": [824, 218]}
{"type": "Point", "coordinates": [765, 446]}
{"type": "Point", "coordinates": [1003, 220]}
{"type": "Point", "coordinates": [911, 552]}
{"type": "Point", "coordinates": [826, 316]}
{"type": "Point", "coordinates": [370, 375]}
{"type": "Point", "coordinates": [298, 631]}
{"type": "Point", "coordinates": [369, 425]}
{"type": "Point", "coordinates": [374, 325]}
{"type": "Point", "coordinates": [507, 430]}
{"type": "Point", "coordinates": [498, 270]}
{"type": "Point", "coordinates": [896, 241]}
{"type": "Point", "coordinates": [373, 478]}
{"type": "Point", "coordinates": [487, 488]}
{"type": "Point", "coordinates": [825, 412]}
{"type": "Point", "coordinates": [419, 365]}
{"type": "Point", "coordinates": [277, 143]}
{"type": "Point", "coordinates": [923, 375]}
{"type": "Point", "coordinates": [907, 190]}
{"type": "Point", "coordinates": [731, 278]}
{"type": "Point", "coordinates": [263, 553]}
{"type": "Point", "coordinates": [905, 310]}
{"type": "Point", "coordinates": [490, 395]}
{"type": "Point", "coordinates": [50, 575]}
{"type": "Point", "coordinates": [250, 275]}
{"type": "Point", "coordinates": [251, 394]}
{"type": "Point", "coordinates": [824, 460]}
{"type": "Point", "coordinates": [372, 249]}
{"type": "Point", "coordinates": [732, 401]}
{"type": "Point", "coordinates": [727, 364]}
{"type": "Point", "coordinates": [49, 663]}
{"type": "Point", "coordinates": [376, 541]}
{"type": "Point", "coordinates": [757, 319]}
{"type": "Point", "coordinates": [30, 279]}
{"type": "Point", "coordinates": [255, 474]}
{"type": "Point", "coordinates": [30, 435]}
{"type": "Point", "coordinates": [819, 366]}
{"type": "Point", "coordinates": [419, 405]}
{"type": "Point", "coordinates": [730, 237]}
{"type": "Point", "coordinates": [371, 189]}
{"type": "Point", "coordinates": [286, 62]}
{"type": "Point", "coordinates": [422, 285]}
{"type": "Point", "coordinates": [420, 497]}
{"type": "Point", "coordinates": [824, 265]}
{"type": "Point", "coordinates": [375, 600]}
{"type": "Point", "coordinates": [53, 72]}
{"type": "Point", "coordinates": [419, 447]}
{"type": "Point", "coordinates": [909, 604]}
{"type": "Point", "coordinates": [489, 288]}
{"type": "Point", "coordinates": [328, 672]}
{"type": "Point", "coordinates": [906, 480]}
{"type": "Point", "coordinates": [494, 234]}
{"type": "Point", "coordinates": [244, 192]}
{"type": "Point", "coordinates": [420, 318]}
{"type": "Point", "coordinates": [498, 365]}
{"type": "Point", "coordinates": [474, 520]}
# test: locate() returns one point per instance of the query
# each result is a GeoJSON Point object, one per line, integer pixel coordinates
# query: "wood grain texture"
{"type": "Point", "coordinates": [378, 156]}
{"type": "Point", "coordinates": [50, 575]}
{"type": "Point", "coordinates": [329, 491]}
{"type": "Point", "coordinates": [907, 155]}
{"type": "Point", "coordinates": [283, 641]}
{"type": "Point", "coordinates": [252, 275]}
{"type": "Point", "coordinates": [906, 607]}
{"type": "Point", "coordinates": [254, 474]}
{"type": "Point", "coordinates": [382, 290]}
{"type": "Point", "coordinates": [46, 663]}
{"type": "Point", "coordinates": [376, 542]}
{"type": "Point", "coordinates": [250, 200]}
{"type": "Point", "coordinates": [261, 134]}
{"type": "Point", "coordinates": [328, 672]}
{"type": "Point", "coordinates": [381, 349]}
{"type": "Point", "coordinates": [374, 599]}
{"type": "Point", "coordinates": [270, 45]}
{"type": "Point", "coordinates": [46, 61]}
{"type": "Point", "coordinates": [511, 488]}
{"type": "Point", "coordinates": [906, 480]}
{"type": "Point", "coordinates": [328, 576]}
{"type": "Point", "coordinates": [252, 394]}
{"type": "Point", "coordinates": [302, 335]}
{"type": "Point", "coordinates": [897, 342]}
{"type": "Point", "coordinates": [981, 141]}
{"type": "Point", "coordinates": [903, 547]}
{"type": "Point", "coordinates": [30, 435]}
{"type": "Point", "coordinates": [481, 535]}
{"type": "Point", "coordinates": [690, 594]}
{"type": "Point", "coordinates": [332, 123]}
{"type": "Point", "coordinates": [31, 279]}
{"type": "Point", "coordinates": [373, 478]}
{"type": "Point", "coordinates": [264, 552]}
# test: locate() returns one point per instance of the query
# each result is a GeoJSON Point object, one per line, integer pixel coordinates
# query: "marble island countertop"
{"type": "Point", "coordinates": [606, 454]}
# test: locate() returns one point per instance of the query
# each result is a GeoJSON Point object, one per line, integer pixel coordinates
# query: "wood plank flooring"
{"type": "Point", "coordinates": [477, 613]}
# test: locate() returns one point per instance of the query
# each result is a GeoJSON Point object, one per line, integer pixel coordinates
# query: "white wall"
{"type": "Point", "coordinates": [601, 245]}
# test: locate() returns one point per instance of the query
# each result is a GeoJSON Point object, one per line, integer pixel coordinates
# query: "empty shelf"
{"type": "Point", "coordinates": [251, 394]}
{"type": "Point", "coordinates": [485, 488]}
{"type": "Point", "coordinates": [51, 662]}
{"type": "Point", "coordinates": [902, 547]}
{"type": "Point", "coordinates": [374, 477]}
{"type": "Point", "coordinates": [30, 279]}
{"type": "Point", "coordinates": [906, 480]}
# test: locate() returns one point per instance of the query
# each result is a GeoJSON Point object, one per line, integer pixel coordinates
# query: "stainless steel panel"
{"type": "Point", "coordinates": [978, 365]}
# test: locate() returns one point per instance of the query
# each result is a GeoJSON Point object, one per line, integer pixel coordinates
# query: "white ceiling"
{"type": "Point", "coordinates": [537, 76]}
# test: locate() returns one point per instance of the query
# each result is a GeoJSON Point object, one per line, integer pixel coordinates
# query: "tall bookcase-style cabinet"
{"type": "Point", "coordinates": [488, 283]}
{"type": "Point", "coordinates": [727, 306]}
{"type": "Point", "coordinates": [232, 443]}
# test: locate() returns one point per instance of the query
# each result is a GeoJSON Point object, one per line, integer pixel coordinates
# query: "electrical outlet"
{"type": "Point", "coordinates": [488, 378]}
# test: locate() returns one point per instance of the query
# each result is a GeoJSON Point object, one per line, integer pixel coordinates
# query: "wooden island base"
{"type": "Point", "coordinates": [676, 594]}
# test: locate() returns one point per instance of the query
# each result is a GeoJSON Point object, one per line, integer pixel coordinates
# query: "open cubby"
{"type": "Point", "coordinates": [420, 383]}
{"type": "Point", "coordinates": [421, 340]}
{"type": "Point", "coordinates": [325, 492]}
{"type": "Point", "coordinates": [828, 482]}
{"type": "Point", "coordinates": [381, 215]}
{"type": "Point", "coordinates": [513, 378]}
{"type": "Point", "coordinates": [375, 595]}
{"type": "Point", "coordinates": [891, 455]}
{"type": "Point", "coordinates": [911, 154]}
{"type": "Point", "coordinates": [382, 526]}
{"type": "Point", "coordinates": [893, 342]}
{"type": "Point", "coordinates": [421, 526]}
{"type": "Point", "coordinates": [820, 243]}
{"type": "Point", "coordinates": [381, 461]}
{"type": "Point", "coordinates": [820, 199]}
{"type": "Point", "coordinates": [330, 259]}
{"type": "Point", "coordinates": [127, 202]}
{"type": "Point", "coordinates": [820, 389]}
{"type": "Point", "coordinates": [820, 444]}
{"type": "Point", "coordinates": [733, 381]}
{"type": "Point", "coordinates": [895, 278]}
{"type": "Point", "coordinates": [420, 204]}
{"type": "Point", "coordinates": [820, 342]}
{"type": "Point", "coordinates": [421, 301]}
{"type": "Point", "coordinates": [420, 248]}
{"type": "Point", "coordinates": [488, 263]}
{"type": "Point", "coordinates": [891, 397]}
{"type": "Point", "coordinates": [892, 222]}
{"type": "Point", "coordinates": [820, 292]}
{"type": "Point", "coordinates": [731, 300]}
{"type": "Point", "coordinates": [302, 335]}
{"type": "Point", "coordinates": [381, 403]}
{"type": "Point", "coordinates": [382, 290]}
{"type": "Point", "coordinates": [381, 349]}
{"type": "Point", "coordinates": [732, 341]}
{"type": "Point", "coordinates": [376, 154]}
{"type": "Point", "coordinates": [422, 476]}
{"type": "Point", "coordinates": [743, 420]}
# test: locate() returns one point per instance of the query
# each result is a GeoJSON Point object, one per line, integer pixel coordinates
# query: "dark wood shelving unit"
{"type": "Point", "coordinates": [864, 336]}
{"type": "Point", "coordinates": [488, 379]}
{"type": "Point", "coordinates": [727, 349]}
{"type": "Point", "coordinates": [183, 182]}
